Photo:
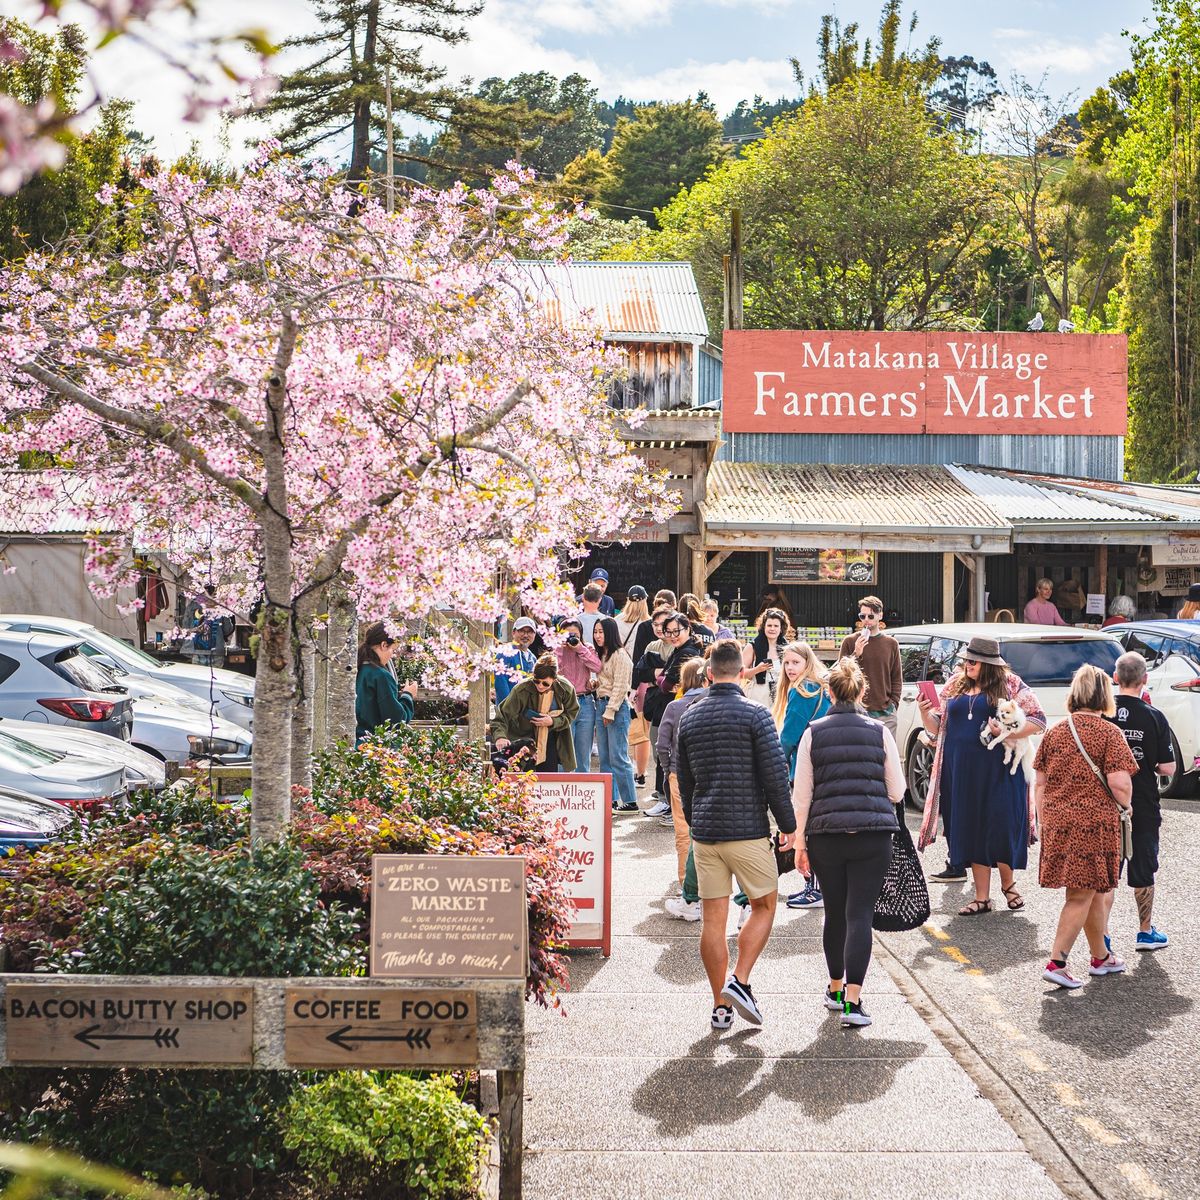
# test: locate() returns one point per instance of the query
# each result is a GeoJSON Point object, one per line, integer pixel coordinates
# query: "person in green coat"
{"type": "Point", "coordinates": [377, 699]}
{"type": "Point", "coordinates": [517, 717]}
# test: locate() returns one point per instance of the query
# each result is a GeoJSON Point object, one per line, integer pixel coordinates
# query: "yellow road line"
{"type": "Point", "coordinates": [1093, 1127]}
{"type": "Point", "coordinates": [1140, 1181]}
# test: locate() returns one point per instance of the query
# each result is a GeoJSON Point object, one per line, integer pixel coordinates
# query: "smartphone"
{"type": "Point", "coordinates": [928, 689]}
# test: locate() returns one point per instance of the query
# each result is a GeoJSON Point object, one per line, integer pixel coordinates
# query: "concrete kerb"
{"type": "Point", "coordinates": [1034, 1134]}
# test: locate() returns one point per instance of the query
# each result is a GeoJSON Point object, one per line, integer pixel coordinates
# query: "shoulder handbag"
{"type": "Point", "coordinates": [904, 898]}
{"type": "Point", "coordinates": [1124, 813]}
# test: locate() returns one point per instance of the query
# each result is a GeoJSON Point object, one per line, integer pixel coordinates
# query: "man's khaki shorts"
{"type": "Point", "coordinates": [753, 862]}
{"type": "Point", "coordinates": [639, 730]}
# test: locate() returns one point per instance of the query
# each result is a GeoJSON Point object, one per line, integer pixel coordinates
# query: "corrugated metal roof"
{"type": "Point", "coordinates": [1022, 498]}
{"type": "Point", "coordinates": [626, 300]}
{"type": "Point", "coordinates": [844, 498]}
{"type": "Point", "coordinates": [61, 511]}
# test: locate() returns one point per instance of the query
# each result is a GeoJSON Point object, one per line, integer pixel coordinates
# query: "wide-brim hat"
{"type": "Point", "coordinates": [984, 650]}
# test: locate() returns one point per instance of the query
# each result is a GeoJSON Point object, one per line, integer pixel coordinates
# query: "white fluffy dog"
{"type": "Point", "coordinates": [1018, 752]}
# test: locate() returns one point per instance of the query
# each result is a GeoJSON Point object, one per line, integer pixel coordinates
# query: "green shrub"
{"type": "Point", "coordinates": [193, 912]}
{"type": "Point", "coordinates": [368, 1135]}
{"type": "Point", "coordinates": [188, 911]}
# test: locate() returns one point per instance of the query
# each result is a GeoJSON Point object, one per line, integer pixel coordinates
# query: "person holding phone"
{"type": "Point", "coordinates": [540, 708]}
{"type": "Point", "coordinates": [879, 656]}
{"type": "Point", "coordinates": [579, 665]}
{"type": "Point", "coordinates": [377, 699]}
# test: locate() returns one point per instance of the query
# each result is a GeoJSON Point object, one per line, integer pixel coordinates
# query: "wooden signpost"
{"type": "Point", "coordinates": [449, 949]}
{"type": "Point", "coordinates": [82, 1025]}
{"type": "Point", "coordinates": [380, 1027]}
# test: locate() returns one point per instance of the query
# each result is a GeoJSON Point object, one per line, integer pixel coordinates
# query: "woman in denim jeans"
{"type": "Point", "coordinates": [612, 707]}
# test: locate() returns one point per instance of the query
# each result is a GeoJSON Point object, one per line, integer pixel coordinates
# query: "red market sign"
{"type": "Point", "coordinates": [797, 381]}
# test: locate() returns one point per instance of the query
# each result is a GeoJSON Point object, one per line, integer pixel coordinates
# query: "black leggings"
{"type": "Point", "coordinates": [851, 868]}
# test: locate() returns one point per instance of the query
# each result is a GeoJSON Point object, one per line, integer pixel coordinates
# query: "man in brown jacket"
{"type": "Point", "coordinates": [879, 656]}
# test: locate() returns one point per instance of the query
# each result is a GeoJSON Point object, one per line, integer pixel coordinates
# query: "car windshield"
{"type": "Point", "coordinates": [104, 643]}
{"type": "Point", "coordinates": [1054, 663]}
{"type": "Point", "coordinates": [82, 672]}
{"type": "Point", "coordinates": [26, 753]}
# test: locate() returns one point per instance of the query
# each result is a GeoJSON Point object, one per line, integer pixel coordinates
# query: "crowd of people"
{"type": "Point", "coordinates": [762, 756]}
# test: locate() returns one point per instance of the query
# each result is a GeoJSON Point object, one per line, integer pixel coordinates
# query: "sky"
{"type": "Point", "coordinates": [650, 49]}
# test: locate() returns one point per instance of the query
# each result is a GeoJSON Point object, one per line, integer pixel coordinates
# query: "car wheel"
{"type": "Point", "coordinates": [1171, 787]}
{"type": "Point", "coordinates": [917, 772]}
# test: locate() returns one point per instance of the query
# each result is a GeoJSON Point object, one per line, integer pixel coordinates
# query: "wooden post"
{"type": "Point", "coordinates": [736, 278]}
{"type": "Point", "coordinates": [511, 1086]}
{"type": "Point", "coordinates": [1102, 570]}
{"type": "Point", "coordinates": [948, 587]}
{"type": "Point", "coordinates": [699, 572]}
{"type": "Point", "coordinates": [979, 588]}
{"type": "Point", "coordinates": [477, 703]}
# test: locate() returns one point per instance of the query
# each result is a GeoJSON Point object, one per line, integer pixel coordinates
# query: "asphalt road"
{"type": "Point", "coordinates": [1112, 1070]}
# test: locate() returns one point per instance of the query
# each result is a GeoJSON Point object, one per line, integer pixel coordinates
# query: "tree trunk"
{"type": "Point", "coordinates": [360, 153]}
{"type": "Point", "coordinates": [343, 666]}
{"type": "Point", "coordinates": [274, 695]}
{"type": "Point", "coordinates": [304, 709]}
{"type": "Point", "coordinates": [320, 737]}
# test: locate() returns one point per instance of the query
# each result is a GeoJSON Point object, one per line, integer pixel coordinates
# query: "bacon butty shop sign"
{"type": "Point", "coordinates": [796, 381]}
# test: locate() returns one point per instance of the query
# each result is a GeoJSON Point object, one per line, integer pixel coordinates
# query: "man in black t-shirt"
{"type": "Point", "coordinates": [1150, 738]}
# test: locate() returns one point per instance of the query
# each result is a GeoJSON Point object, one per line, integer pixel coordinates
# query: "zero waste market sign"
{"type": "Point", "coordinates": [797, 381]}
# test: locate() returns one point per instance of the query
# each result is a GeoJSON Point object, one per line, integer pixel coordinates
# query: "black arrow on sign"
{"type": "Point", "coordinates": [162, 1038]}
{"type": "Point", "coordinates": [414, 1038]}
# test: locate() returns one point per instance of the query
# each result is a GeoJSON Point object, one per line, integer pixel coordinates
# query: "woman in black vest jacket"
{"type": "Point", "coordinates": [849, 782]}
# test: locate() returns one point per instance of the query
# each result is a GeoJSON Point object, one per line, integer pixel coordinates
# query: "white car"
{"type": "Point", "coordinates": [227, 693]}
{"type": "Point", "coordinates": [1044, 656]}
{"type": "Point", "coordinates": [75, 782]}
{"type": "Point", "coordinates": [142, 770]}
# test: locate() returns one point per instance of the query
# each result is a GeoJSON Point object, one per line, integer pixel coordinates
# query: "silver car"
{"type": "Point", "coordinates": [44, 677]}
{"type": "Point", "coordinates": [142, 769]}
{"type": "Point", "coordinates": [75, 782]}
{"type": "Point", "coordinates": [227, 693]}
{"type": "Point", "coordinates": [181, 732]}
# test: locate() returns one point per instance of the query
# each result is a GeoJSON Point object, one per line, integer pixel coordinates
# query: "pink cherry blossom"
{"type": "Point", "coordinates": [282, 395]}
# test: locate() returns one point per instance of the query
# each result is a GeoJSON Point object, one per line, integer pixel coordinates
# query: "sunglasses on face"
{"type": "Point", "coordinates": [868, 616]}
{"type": "Point", "coordinates": [543, 685]}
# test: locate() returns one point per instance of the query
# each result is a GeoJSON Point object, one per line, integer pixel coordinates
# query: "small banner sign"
{"type": "Point", "coordinates": [443, 916]}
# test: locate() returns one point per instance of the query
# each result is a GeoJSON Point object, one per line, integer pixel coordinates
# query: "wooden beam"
{"type": "Point", "coordinates": [979, 590]}
{"type": "Point", "coordinates": [948, 587]}
{"type": "Point", "coordinates": [696, 430]}
{"type": "Point", "coordinates": [716, 559]}
{"type": "Point", "coordinates": [1102, 568]}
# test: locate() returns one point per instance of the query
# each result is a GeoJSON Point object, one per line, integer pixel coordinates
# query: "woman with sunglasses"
{"type": "Point", "coordinates": [377, 699]}
{"type": "Point", "coordinates": [541, 709]}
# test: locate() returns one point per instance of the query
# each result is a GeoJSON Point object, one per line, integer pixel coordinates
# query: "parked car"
{"type": "Point", "coordinates": [142, 769]}
{"type": "Point", "coordinates": [76, 782]}
{"type": "Point", "coordinates": [1172, 653]}
{"type": "Point", "coordinates": [179, 733]}
{"type": "Point", "coordinates": [44, 677]}
{"type": "Point", "coordinates": [27, 820]}
{"type": "Point", "coordinates": [229, 694]}
{"type": "Point", "coordinates": [1044, 656]}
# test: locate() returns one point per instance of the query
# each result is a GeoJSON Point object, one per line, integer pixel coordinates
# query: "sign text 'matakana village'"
{"type": "Point", "coordinates": [788, 381]}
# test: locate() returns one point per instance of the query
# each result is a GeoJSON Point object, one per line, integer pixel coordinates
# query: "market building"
{"type": "Point", "coordinates": [947, 472]}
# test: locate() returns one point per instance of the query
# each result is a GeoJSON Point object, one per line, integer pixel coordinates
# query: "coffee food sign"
{"type": "Point", "coordinates": [792, 381]}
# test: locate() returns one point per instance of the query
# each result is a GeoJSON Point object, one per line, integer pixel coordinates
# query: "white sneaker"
{"type": "Point", "coordinates": [681, 909]}
{"type": "Point", "coordinates": [744, 915]}
{"type": "Point", "coordinates": [658, 810]}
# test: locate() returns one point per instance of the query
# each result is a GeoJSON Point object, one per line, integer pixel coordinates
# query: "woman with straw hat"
{"type": "Point", "coordinates": [985, 806]}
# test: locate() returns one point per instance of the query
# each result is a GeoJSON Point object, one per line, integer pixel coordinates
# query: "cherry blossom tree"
{"type": "Point", "coordinates": [288, 397]}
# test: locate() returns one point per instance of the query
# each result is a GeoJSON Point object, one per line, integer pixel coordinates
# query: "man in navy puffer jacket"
{"type": "Point", "coordinates": [732, 772]}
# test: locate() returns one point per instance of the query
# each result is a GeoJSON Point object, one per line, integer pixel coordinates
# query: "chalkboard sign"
{"type": "Point", "coordinates": [797, 564]}
{"type": "Point", "coordinates": [652, 564]}
{"type": "Point", "coordinates": [738, 573]}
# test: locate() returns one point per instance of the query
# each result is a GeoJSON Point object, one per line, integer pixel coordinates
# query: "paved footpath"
{"type": "Point", "coordinates": [630, 1093]}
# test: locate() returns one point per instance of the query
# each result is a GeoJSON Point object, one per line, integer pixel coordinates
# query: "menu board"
{"type": "Point", "coordinates": [798, 564]}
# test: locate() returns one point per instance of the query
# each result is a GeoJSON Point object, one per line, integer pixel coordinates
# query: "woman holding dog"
{"type": "Point", "coordinates": [984, 804]}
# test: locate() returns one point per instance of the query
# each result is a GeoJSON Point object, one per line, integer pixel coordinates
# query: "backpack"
{"type": "Point", "coordinates": [204, 636]}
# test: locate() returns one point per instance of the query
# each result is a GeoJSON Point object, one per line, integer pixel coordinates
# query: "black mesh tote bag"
{"type": "Point", "coordinates": [904, 899]}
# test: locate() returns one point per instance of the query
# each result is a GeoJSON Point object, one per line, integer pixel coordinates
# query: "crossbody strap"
{"type": "Point", "coordinates": [1087, 758]}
